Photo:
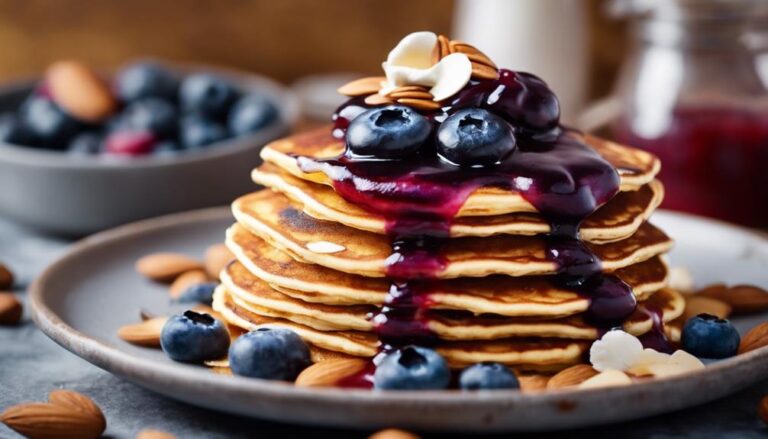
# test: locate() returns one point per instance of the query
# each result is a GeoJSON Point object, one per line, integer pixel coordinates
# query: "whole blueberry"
{"type": "Point", "coordinates": [129, 143]}
{"type": "Point", "coordinates": [47, 123]}
{"type": "Point", "coordinates": [708, 336]}
{"type": "Point", "coordinates": [144, 80]}
{"type": "Point", "coordinates": [486, 376]}
{"type": "Point", "coordinates": [166, 149]}
{"type": "Point", "coordinates": [192, 337]}
{"type": "Point", "coordinates": [15, 132]}
{"type": "Point", "coordinates": [270, 354]}
{"type": "Point", "coordinates": [412, 368]}
{"type": "Point", "coordinates": [152, 114]}
{"type": "Point", "coordinates": [207, 94]}
{"type": "Point", "coordinates": [200, 293]}
{"type": "Point", "coordinates": [394, 131]}
{"type": "Point", "coordinates": [86, 143]}
{"type": "Point", "coordinates": [475, 137]}
{"type": "Point", "coordinates": [251, 113]}
{"type": "Point", "coordinates": [196, 132]}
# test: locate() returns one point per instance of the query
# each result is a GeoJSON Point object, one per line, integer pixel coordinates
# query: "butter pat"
{"type": "Point", "coordinates": [616, 350]}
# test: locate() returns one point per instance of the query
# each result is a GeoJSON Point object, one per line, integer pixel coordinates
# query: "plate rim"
{"type": "Point", "coordinates": [111, 358]}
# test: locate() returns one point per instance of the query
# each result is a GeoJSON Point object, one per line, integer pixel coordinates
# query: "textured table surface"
{"type": "Point", "coordinates": [31, 365]}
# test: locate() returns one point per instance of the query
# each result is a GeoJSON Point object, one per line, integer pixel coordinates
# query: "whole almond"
{"type": "Point", "coordinates": [762, 409]}
{"type": "Point", "coordinates": [697, 304]}
{"type": "Point", "coordinates": [52, 421]}
{"type": "Point", "coordinates": [154, 434]}
{"type": "Point", "coordinates": [10, 309]}
{"type": "Point", "coordinates": [76, 400]}
{"type": "Point", "coordinates": [533, 383]}
{"type": "Point", "coordinates": [186, 280]}
{"type": "Point", "coordinates": [393, 433]}
{"type": "Point", "coordinates": [743, 299]}
{"type": "Point", "coordinates": [146, 333]}
{"type": "Point", "coordinates": [6, 278]}
{"type": "Point", "coordinates": [216, 258]}
{"type": "Point", "coordinates": [573, 376]}
{"type": "Point", "coordinates": [80, 91]}
{"type": "Point", "coordinates": [165, 267]}
{"type": "Point", "coordinates": [362, 86]}
{"type": "Point", "coordinates": [755, 338]}
{"type": "Point", "coordinates": [329, 373]}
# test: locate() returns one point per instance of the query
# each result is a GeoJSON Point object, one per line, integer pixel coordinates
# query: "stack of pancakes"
{"type": "Point", "coordinates": [309, 260]}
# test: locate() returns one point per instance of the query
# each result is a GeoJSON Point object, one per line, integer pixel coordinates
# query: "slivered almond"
{"type": "Point", "coordinates": [6, 278]}
{"type": "Point", "coordinates": [78, 401]}
{"type": "Point", "coordinates": [377, 99]}
{"type": "Point", "coordinates": [573, 376]}
{"type": "Point", "coordinates": [474, 55]}
{"type": "Point", "coordinates": [481, 71]}
{"type": "Point", "coordinates": [411, 95]}
{"type": "Point", "coordinates": [146, 333]}
{"type": "Point", "coordinates": [52, 421]}
{"type": "Point", "coordinates": [742, 298]}
{"type": "Point", "coordinates": [533, 383]}
{"type": "Point", "coordinates": [10, 309]}
{"type": "Point", "coordinates": [362, 86]}
{"type": "Point", "coordinates": [165, 267]}
{"type": "Point", "coordinates": [393, 433]}
{"type": "Point", "coordinates": [755, 338]}
{"type": "Point", "coordinates": [216, 258]}
{"type": "Point", "coordinates": [444, 46]}
{"type": "Point", "coordinates": [186, 280]}
{"type": "Point", "coordinates": [330, 372]}
{"type": "Point", "coordinates": [154, 434]}
{"type": "Point", "coordinates": [695, 305]}
{"type": "Point", "coordinates": [420, 104]}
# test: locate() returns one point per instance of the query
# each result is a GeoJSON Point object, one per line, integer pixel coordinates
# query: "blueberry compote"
{"type": "Point", "coordinates": [564, 179]}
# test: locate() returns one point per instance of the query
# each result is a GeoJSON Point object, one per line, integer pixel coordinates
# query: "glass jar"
{"type": "Point", "coordinates": [692, 93]}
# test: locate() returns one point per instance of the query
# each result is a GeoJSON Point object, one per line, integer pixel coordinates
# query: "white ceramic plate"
{"type": "Point", "coordinates": [82, 299]}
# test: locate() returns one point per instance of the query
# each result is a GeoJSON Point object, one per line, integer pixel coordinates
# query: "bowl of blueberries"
{"type": "Point", "coordinates": [82, 151]}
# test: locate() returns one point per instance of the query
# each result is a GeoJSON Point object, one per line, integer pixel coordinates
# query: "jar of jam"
{"type": "Point", "coordinates": [693, 91]}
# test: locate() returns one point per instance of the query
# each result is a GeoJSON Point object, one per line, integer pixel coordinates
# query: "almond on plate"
{"type": "Point", "coordinates": [216, 258]}
{"type": "Point", "coordinates": [393, 433]}
{"type": "Point", "coordinates": [10, 309]}
{"type": "Point", "coordinates": [154, 434]}
{"type": "Point", "coordinates": [330, 372]}
{"type": "Point", "coordinates": [755, 338]}
{"type": "Point", "coordinates": [742, 298]}
{"type": "Point", "coordinates": [186, 280]}
{"type": "Point", "coordinates": [165, 267]}
{"type": "Point", "coordinates": [572, 376]}
{"type": "Point", "coordinates": [146, 333]}
{"type": "Point", "coordinates": [697, 304]}
{"type": "Point", "coordinates": [533, 383]}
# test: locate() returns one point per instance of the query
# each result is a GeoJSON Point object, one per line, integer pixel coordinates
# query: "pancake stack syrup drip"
{"type": "Point", "coordinates": [564, 179]}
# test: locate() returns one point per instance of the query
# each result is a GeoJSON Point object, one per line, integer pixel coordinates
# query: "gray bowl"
{"type": "Point", "coordinates": [74, 195]}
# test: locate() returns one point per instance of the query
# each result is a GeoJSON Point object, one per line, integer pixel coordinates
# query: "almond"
{"type": "Point", "coordinates": [6, 278]}
{"type": "Point", "coordinates": [533, 383]}
{"type": "Point", "coordinates": [10, 309]}
{"type": "Point", "coordinates": [186, 280]}
{"type": "Point", "coordinates": [328, 373]}
{"type": "Point", "coordinates": [573, 376]}
{"type": "Point", "coordinates": [696, 304]}
{"type": "Point", "coordinates": [80, 91]}
{"type": "Point", "coordinates": [146, 333]}
{"type": "Point", "coordinates": [166, 267]}
{"type": "Point", "coordinates": [377, 99]}
{"type": "Point", "coordinates": [742, 298]}
{"type": "Point", "coordinates": [474, 55]}
{"type": "Point", "coordinates": [154, 434]}
{"type": "Point", "coordinates": [482, 71]}
{"type": "Point", "coordinates": [52, 421]}
{"type": "Point", "coordinates": [78, 401]}
{"type": "Point", "coordinates": [755, 338]}
{"type": "Point", "coordinates": [420, 104]}
{"type": "Point", "coordinates": [216, 258]}
{"type": "Point", "coordinates": [362, 86]}
{"type": "Point", "coordinates": [393, 433]}
{"type": "Point", "coordinates": [762, 409]}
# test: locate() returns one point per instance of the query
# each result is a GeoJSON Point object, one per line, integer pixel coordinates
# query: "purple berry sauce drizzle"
{"type": "Point", "coordinates": [564, 179]}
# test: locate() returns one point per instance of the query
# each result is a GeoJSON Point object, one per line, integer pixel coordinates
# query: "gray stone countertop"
{"type": "Point", "coordinates": [31, 365]}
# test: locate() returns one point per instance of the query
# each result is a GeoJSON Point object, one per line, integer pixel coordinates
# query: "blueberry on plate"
{"type": "Point", "coordinates": [708, 336]}
{"type": "Point", "coordinates": [192, 338]}
{"type": "Point", "coordinates": [207, 94]}
{"type": "Point", "coordinates": [130, 143]}
{"type": "Point", "coordinates": [412, 368]}
{"type": "Point", "coordinates": [199, 293]}
{"type": "Point", "coordinates": [196, 132]}
{"type": "Point", "coordinates": [270, 354]}
{"type": "Point", "coordinates": [144, 80]}
{"type": "Point", "coordinates": [152, 114]}
{"type": "Point", "coordinates": [86, 143]}
{"type": "Point", "coordinates": [487, 376]}
{"type": "Point", "coordinates": [47, 123]}
{"type": "Point", "coordinates": [390, 132]}
{"type": "Point", "coordinates": [475, 137]}
{"type": "Point", "coordinates": [13, 131]}
{"type": "Point", "coordinates": [251, 113]}
{"type": "Point", "coordinates": [166, 148]}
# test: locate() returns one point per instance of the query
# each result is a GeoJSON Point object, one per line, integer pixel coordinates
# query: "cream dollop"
{"type": "Point", "coordinates": [411, 63]}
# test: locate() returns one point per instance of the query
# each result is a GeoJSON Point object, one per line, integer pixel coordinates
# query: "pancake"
{"type": "Point", "coordinates": [523, 353]}
{"type": "Point", "coordinates": [635, 168]}
{"type": "Point", "coordinates": [273, 218]}
{"type": "Point", "coordinates": [258, 297]}
{"type": "Point", "coordinates": [616, 220]}
{"type": "Point", "coordinates": [504, 295]}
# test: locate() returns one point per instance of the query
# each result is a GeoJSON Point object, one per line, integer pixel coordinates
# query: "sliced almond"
{"type": "Point", "coordinates": [420, 104]}
{"type": "Point", "coordinates": [216, 258]}
{"type": "Point", "coordinates": [146, 333]}
{"type": "Point", "coordinates": [165, 267]}
{"type": "Point", "coordinates": [393, 433]}
{"type": "Point", "coordinates": [444, 46]}
{"type": "Point", "coordinates": [573, 376]}
{"type": "Point", "coordinates": [696, 304]}
{"type": "Point", "coordinates": [80, 91]}
{"type": "Point", "coordinates": [52, 421]}
{"type": "Point", "coordinates": [362, 86]}
{"type": "Point", "coordinates": [329, 373]}
{"type": "Point", "coordinates": [10, 309]}
{"type": "Point", "coordinates": [411, 95]}
{"type": "Point", "coordinates": [6, 278]}
{"type": "Point", "coordinates": [474, 55]}
{"type": "Point", "coordinates": [154, 434]}
{"type": "Point", "coordinates": [186, 280]}
{"type": "Point", "coordinates": [762, 409]}
{"type": "Point", "coordinates": [78, 401]}
{"type": "Point", "coordinates": [755, 338]}
{"type": "Point", "coordinates": [533, 383]}
{"type": "Point", "coordinates": [377, 99]}
{"type": "Point", "coordinates": [482, 71]}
